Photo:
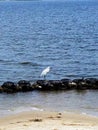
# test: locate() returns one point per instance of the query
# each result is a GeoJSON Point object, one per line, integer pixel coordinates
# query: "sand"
{"type": "Point", "coordinates": [46, 120]}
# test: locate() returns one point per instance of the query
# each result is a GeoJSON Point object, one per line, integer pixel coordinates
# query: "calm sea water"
{"type": "Point", "coordinates": [62, 35]}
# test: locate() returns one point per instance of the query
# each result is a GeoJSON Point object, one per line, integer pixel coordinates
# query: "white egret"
{"type": "Point", "coordinates": [45, 71]}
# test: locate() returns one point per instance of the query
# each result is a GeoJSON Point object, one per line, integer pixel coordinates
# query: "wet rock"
{"type": "Point", "coordinates": [65, 80]}
{"type": "Point", "coordinates": [9, 87]}
{"type": "Point", "coordinates": [80, 84]}
{"type": "Point", "coordinates": [92, 83]}
{"type": "Point", "coordinates": [1, 89]}
{"type": "Point", "coordinates": [24, 86]}
{"type": "Point", "coordinates": [34, 86]}
{"type": "Point", "coordinates": [72, 85]}
{"type": "Point", "coordinates": [44, 85]}
{"type": "Point", "coordinates": [77, 81]}
{"type": "Point", "coordinates": [65, 83]}
{"type": "Point", "coordinates": [50, 85]}
{"type": "Point", "coordinates": [57, 85]}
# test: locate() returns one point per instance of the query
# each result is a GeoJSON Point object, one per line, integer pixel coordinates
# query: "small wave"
{"type": "Point", "coordinates": [37, 109]}
{"type": "Point", "coordinates": [92, 49]}
{"type": "Point", "coordinates": [84, 113]}
{"type": "Point", "coordinates": [28, 63]}
{"type": "Point", "coordinates": [6, 61]}
{"type": "Point", "coordinates": [23, 109]}
{"type": "Point", "coordinates": [1, 60]}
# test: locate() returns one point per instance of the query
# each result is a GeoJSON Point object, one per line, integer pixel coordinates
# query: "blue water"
{"type": "Point", "coordinates": [62, 35]}
{"type": "Point", "coordinates": [34, 35]}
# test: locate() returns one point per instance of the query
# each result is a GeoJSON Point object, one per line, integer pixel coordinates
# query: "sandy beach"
{"type": "Point", "coordinates": [45, 120]}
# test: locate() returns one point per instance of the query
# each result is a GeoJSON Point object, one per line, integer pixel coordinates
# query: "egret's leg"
{"type": "Point", "coordinates": [44, 77]}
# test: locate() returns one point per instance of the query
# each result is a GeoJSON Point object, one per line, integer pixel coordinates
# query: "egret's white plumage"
{"type": "Point", "coordinates": [45, 71]}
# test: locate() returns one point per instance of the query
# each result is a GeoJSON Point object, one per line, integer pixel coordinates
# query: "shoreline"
{"type": "Point", "coordinates": [48, 120]}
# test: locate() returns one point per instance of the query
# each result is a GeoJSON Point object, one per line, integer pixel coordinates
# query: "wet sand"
{"type": "Point", "coordinates": [45, 120]}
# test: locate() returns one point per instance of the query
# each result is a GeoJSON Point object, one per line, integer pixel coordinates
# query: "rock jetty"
{"type": "Point", "coordinates": [49, 85]}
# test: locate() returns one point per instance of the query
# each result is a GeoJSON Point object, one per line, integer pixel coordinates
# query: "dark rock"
{"type": "Point", "coordinates": [72, 85]}
{"type": "Point", "coordinates": [91, 80]}
{"type": "Point", "coordinates": [50, 85]}
{"type": "Point", "coordinates": [43, 85]}
{"type": "Point", "coordinates": [80, 84]}
{"type": "Point", "coordinates": [92, 83]}
{"type": "Point", "coordinates": [65, 80]}
{"type": "Point", "coordinates": [9, 87]}
{"type": "Point", "coordinates": [34, 86]}
{"type": "Point", "coordinates": [78, 80]}
{"type": "Point", "coordinates": [65, 83]}
{"type": "Point", "coordinates": [57, 85]}
{"type": "Point", "coordinates": [1, 89]}
{"type": "Point", "coordinates": [24, 86]}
